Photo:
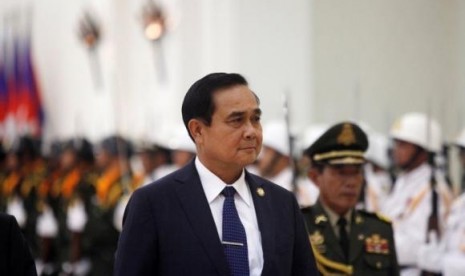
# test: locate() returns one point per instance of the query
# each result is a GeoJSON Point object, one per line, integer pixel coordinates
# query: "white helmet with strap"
{"type": "Point", "coordinates": [275, 136]}
{"type": "Point", "coordinates": [460, 141]}
{"type": "Point", "coordinates": [378, 150]}
{"type": "Point", "coordinates": [418, 129]}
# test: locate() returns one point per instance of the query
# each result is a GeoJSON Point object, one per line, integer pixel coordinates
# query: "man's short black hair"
{"type": "Point", "coordinates": [198, 102]}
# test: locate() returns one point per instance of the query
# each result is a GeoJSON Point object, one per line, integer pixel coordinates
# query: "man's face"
{"type": "Point", "coordinates": [340, 186]}
{"type": "Point", "coordinates": [67, 159]}
{"type": "Point", "coordinates": [103, 159]}
{"type": "Point", "coordinates": [148, 162]}
{"type": "Point", "coordinates": [402, 152]}
{"type": "Point", "coordinates": [181, 157]}
{"type": "Point", "coordinates": [234, 138]}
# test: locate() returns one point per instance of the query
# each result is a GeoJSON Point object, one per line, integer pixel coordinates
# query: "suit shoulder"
{"type": "Point", "coordinates": [375, 216]}
{"type": "Point", "coordinates": [6, 219]}
{"type": "Point", "coordinates": [162, 183]}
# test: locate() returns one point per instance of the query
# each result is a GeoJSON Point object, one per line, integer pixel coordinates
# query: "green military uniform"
{"type": "Point", "coordinates": [345, 241]}
{"type": "Point", "coordinates": [372, 250]}
{"type": "Point", "coordinates": [101, 233]}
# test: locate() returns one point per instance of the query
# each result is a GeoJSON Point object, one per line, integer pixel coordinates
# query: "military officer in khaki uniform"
{"type": "Point", "coordinates": [345, 241]}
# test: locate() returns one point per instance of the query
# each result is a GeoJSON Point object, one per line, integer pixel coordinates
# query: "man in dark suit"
{"type": "Point", "coordinates": [15, 255]}
{"type": "Point", "coordinates": [212, 217]}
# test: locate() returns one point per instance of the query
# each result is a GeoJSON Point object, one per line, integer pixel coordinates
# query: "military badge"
{"type": "Point", "coordinates": [317, 240]}
{"type": "Point", "coordinates": [377, 245]}
{"type": "Point", "coordinates": [347, 136]}
{"type": "Point", "coordinates": [320, 218]}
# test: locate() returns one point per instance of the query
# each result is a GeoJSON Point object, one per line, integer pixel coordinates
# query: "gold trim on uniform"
{"type": "Point", "coordinates": [347, 161]}
{"type": "Point", "coordinates": [318, 241]}
{"type": "Point", "coordinates": [323, 262]}
{"type": "Point", "coordinates": [316, 238]}
{"type": "Point", "coordinates": [338, 153]}
{"type": "Point", "coordinates": [383, 218]}
{"type": "Point", "coordinates": [321, 218]}
{"type": "Point", "coordinates": [358, 219]}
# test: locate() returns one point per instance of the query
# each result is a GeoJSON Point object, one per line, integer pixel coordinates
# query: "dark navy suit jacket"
{"type": "Point", "coordinates": [169, 230]}
{"type": "Point", "coordinates": [15, 255]}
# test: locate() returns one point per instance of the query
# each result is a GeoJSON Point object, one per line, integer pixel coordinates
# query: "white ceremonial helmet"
{"type": "Point", "coordinates": [460, 141]}
{"type": "Point", "coordinates": [378, 146]}
{"type": "Point", "coordinates": [418, 129]}
{"type": "Point", "coordinates": [275, 136]}
{"type": "Point", "coordinates": [311, 134]}
{"type": "Point", "coordinates": [182, 141]}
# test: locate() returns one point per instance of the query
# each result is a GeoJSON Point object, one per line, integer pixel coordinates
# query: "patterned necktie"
{"type": "Point", "coordinates": [343, 237]}
{"type": "Point", "coordinates": [234, 237]}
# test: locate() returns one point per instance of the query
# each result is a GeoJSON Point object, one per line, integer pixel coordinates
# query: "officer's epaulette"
{"type": "Point", "coordinates": [375, 215]}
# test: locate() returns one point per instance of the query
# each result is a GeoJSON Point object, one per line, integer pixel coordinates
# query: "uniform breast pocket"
{"type": "Point", "coordinates": [377, 264]}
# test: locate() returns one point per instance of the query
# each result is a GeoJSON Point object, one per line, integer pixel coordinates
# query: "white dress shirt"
{"type": "Point", "coordinates": [213, 186]}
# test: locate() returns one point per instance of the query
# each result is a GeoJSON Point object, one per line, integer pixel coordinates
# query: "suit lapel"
{"type": "Point", "coordinates": [197, 210]}
{"type": "Point", "coordinates": [357, 236]}
{"type": "Point", "coordinates": [327, 230]}
{"type": "Point", "coordinates": [262, 200]}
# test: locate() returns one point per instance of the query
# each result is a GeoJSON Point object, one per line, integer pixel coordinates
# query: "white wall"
{"type": "Point", "coordinates": [362, 59]}
{"type": "Point", "coordinates": [269, 42]}
{"type": "Point", "coordinates": [375, 60]}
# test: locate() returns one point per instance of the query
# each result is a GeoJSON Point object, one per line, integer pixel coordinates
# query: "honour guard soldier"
{"type": "Point", "coordinates": [113, 184]}
{"type": "Point", "coordinates": [447, 254]}
{"type": "Point", "coordinates": [377, 177]}
{"type": "Point", "coordinates": [25, 170]}
{"type": "Point", "coordinates": [345, 241]}
{"type": "Point", "coordinates": [274, 162]}
{"type": "Point", "coordinates": [419, 191]}
{"type": "Point", "coordinates": [71, 197]}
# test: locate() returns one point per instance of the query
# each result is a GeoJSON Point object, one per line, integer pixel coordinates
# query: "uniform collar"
{"type": "Point", "coordinates": [333, 217]}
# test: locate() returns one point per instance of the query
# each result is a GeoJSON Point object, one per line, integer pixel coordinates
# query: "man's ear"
{"type": "Point", "coordinates": [195, 127]}
{"type": "Point", "coordinates": [313, 174]}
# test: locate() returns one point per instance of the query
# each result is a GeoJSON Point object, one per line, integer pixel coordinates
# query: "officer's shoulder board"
{"type": "Point", "coordinates": [376, 216]}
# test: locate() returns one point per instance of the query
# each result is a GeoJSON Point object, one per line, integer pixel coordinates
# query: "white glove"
{"type": "Point", "coordinates": [16, 208]}
{"type": "Point", "coordinates": [430, 254]}
{"type": "Point", "coordinates": [77, 217]}
{"type": "Point", "coordinates": [47, 224]}
{"type": "Point", "coordinates": [82, 267]}
{"type": "Point", "coordinates": [119, 213]}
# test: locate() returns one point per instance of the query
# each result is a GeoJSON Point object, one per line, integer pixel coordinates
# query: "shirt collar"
{"type": "Point", "coordinates": [213, 185]}
{"type": "Point", "coordinates": [333, 217]}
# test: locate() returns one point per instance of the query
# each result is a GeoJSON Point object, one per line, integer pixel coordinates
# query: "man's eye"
{"type": "Point", "coordinates": [256, 119]}
{"type": "Point", "coordinates": [236, 120]}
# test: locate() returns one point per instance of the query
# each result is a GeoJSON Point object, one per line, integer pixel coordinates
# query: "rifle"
{"type": "Point", "coordinates": [291, 142]}
{"type": "Point", "coordinates": [433, 219]}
